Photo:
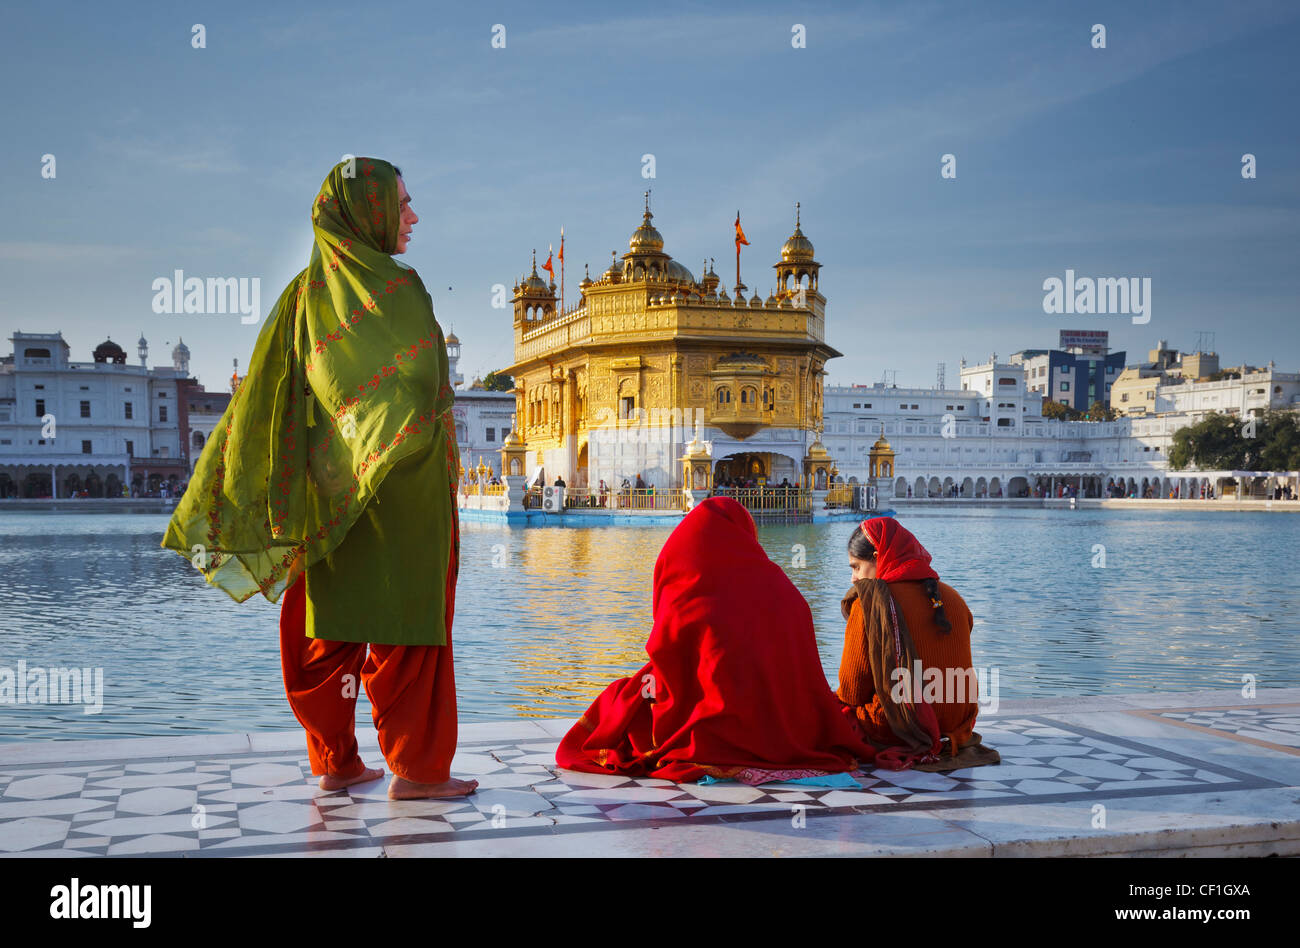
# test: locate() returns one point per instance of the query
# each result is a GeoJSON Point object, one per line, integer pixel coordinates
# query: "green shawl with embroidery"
{"type": "Point", "coordinates": [348, 377]}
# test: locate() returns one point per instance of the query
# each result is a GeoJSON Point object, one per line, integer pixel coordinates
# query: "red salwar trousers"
{"type": "Point", "coordinates": [412, 691]}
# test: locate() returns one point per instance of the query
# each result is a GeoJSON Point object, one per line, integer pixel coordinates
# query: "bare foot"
{"type": "Point", "coordinates": [331, 782]}
{"type": "Point", "coordinates": [402, 789]}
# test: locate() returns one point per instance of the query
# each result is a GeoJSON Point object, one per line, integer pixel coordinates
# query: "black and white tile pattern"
{"type": "Point", "coordinates": [268, 803]}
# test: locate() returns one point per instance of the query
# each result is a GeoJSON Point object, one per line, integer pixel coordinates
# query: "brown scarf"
{"type": "Point", "coordinates": [888, 646]}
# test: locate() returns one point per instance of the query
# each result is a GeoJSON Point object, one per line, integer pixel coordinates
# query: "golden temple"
{"type": "Point", "coordinates": [649, 356]}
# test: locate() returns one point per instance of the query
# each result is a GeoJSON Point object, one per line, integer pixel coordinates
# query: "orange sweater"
{"type": "Point", "coordinates": [949, 653]}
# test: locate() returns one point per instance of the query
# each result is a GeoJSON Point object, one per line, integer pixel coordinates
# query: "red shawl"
{"type": "Point", "coordinates": [899, 555]}
{"type": "Point", "coordinates": [734, 681]}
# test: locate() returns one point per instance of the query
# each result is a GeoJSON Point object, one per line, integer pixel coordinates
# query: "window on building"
{"type": "Point", "coordinates": [1006, 381]}
{"type": "Point", "coordinates": [162, 412]}
{"type": "Point", "coordinates": [85, 447]}
{"type": "Point", "coordinates": [162, 394]}
{"type": "Point", "coordinates": [130, 410]}
{"type": "Point", "coordinates": [85, 409]}
{"type": "Point", "coordinates": [1005, 422]}
{"type": "Point", "coordinates": [1065, 386]}
{"type": "Point", "coordinates": [491, 434]}
{"type": "Point", "coordinates": [85, 388]}
{"type": "Point", "coordinates": [130, 448]}
{"type": "Point", "coordinates": [1151, 395]}
{"type": "Point", "coordinates": [41, 387]}
{"type": "Point", "coordinates": [40, 408]}
{"type": "Point", "coordinates": [162, 452]}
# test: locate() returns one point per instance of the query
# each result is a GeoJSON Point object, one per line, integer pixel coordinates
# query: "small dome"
{"type": "Point", "coordinates": [181, 351]}
{"type": "Point", "coordinates": [646, 238]}
{"type": "Point", "coordinates": [797, 249]}
{"type": "Point", "coordinates": [586, 277]}
{"type": "Point", "coordinates": [613, 273]}
{"type": "Point", "coordinates": [452, 340]}
{"type": "Point", "coordinates": [512, 439]}
{"type": "Point", "coordinates": [534, 283]}
{"type": "Point", "coordinates": [756, 300]}
{"type": "Point", "coordinates": [679, 273]}
{"type": "Point", "coordinates": [110, 351]}
{"type": "Point", "coordinates": [143, 343]}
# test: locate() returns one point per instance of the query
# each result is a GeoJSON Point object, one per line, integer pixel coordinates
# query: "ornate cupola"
{"type": "Point", "coordinates": [796, 262]}
{"type": "Point", "coordinates": [645, 259]}
{"type": "Point", "coordinates": [709, 280]}
{"type": "Point", "coordinates": [614, 273]}
{"type": "Point", "coordinates": [534, 299]}
{"type": "Point", "coordinates": [109, 352]}
{"type": "Point", "coordinates": [181, 358]}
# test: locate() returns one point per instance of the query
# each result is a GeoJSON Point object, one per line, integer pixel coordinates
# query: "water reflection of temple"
{"type": "Point", "coordinates": [617, 385]}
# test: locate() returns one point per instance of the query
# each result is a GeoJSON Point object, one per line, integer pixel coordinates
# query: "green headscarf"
{"type": "Point", "coordinates": [348, 377]}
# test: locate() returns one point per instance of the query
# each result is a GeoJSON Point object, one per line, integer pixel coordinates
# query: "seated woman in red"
{"type": "Point", "coordinates": [734, 686]}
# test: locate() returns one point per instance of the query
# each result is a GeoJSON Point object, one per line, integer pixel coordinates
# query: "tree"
{"type": "Point", "coordinates": [1099, 412]}
{"type": "Point", "coordinates": [1219, 443]}
{"type": "Point", "coordinates": [1279, 433]}
{"type": "Point", "coordinates": [1060, 411]}
{"type": "Point", "coordinates": [498, 382]}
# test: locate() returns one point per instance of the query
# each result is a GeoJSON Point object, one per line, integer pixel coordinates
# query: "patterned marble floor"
{"type": "Point", "coordinates": [268, 804]}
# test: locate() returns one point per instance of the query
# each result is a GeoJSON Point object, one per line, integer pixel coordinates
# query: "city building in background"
{"type": "Point", "coordinates": [1079, 373]}
{"type": "Point", "coordinates": [103, 427]}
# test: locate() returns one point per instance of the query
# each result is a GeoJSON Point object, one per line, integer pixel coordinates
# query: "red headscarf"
{"type": "Point", "coordinates": [899, 555]}
{"type": "Point", "coordinates": [734, 679]}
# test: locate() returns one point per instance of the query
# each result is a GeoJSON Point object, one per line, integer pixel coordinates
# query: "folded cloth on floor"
{"type": "Point", "coordinates": [974, 754]}
{"type": "Point", "coordinates": [754, 776]}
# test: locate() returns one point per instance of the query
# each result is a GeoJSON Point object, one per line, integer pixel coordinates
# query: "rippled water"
{"type": "Point", "coordinates": [1186, 600]}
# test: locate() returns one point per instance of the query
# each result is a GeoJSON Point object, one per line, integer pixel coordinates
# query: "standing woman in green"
{"type": "Point", "coordinates": [331, 480]}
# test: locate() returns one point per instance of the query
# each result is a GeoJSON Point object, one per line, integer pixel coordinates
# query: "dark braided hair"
{"type": "Point", "coordinates": [863, 549]}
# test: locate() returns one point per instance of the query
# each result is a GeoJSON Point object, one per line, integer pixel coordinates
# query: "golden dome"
{"type": "Point", "coordinates": [798, 248]}
{"type": "Point", "coordinates": [677, 272]}
{"type": "Point", "coordinates": [613, 274]}
{"type": "Point", "coordinates": [512, 439]}
{"type": "Point", "coordinates": [535, 283]}
{"type": "Point", "coordinates": [646, 238]}
{"type": "Point", "coordinates": [452, 340]}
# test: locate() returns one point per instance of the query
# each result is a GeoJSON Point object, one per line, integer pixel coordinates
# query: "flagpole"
{"type": "Point", "coordinates": [738, 283]}
{"type": "Point", "coordinates": [561, 271]}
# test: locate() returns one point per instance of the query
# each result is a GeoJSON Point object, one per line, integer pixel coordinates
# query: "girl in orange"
{"type": "Point", "coordinates": [906, 668]}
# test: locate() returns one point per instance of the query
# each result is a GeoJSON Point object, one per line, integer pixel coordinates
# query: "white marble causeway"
{"type": "Point", "coordinates": [1205, 773]}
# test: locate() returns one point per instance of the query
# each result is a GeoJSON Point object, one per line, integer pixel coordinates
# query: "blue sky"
{"type": "Point", "coordinates": [1113, 162]}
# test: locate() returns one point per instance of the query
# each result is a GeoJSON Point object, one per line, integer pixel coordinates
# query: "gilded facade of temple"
{"type": "Point", "coordinates": [617, 385]}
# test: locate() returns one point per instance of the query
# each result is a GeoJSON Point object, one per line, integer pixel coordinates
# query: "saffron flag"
{"type": "Point", "coordinates": [740, 234]}
{"type": "Point", "coordinates": [547, 265]}
{"type": "Point", "coordinates": [561, 245]}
